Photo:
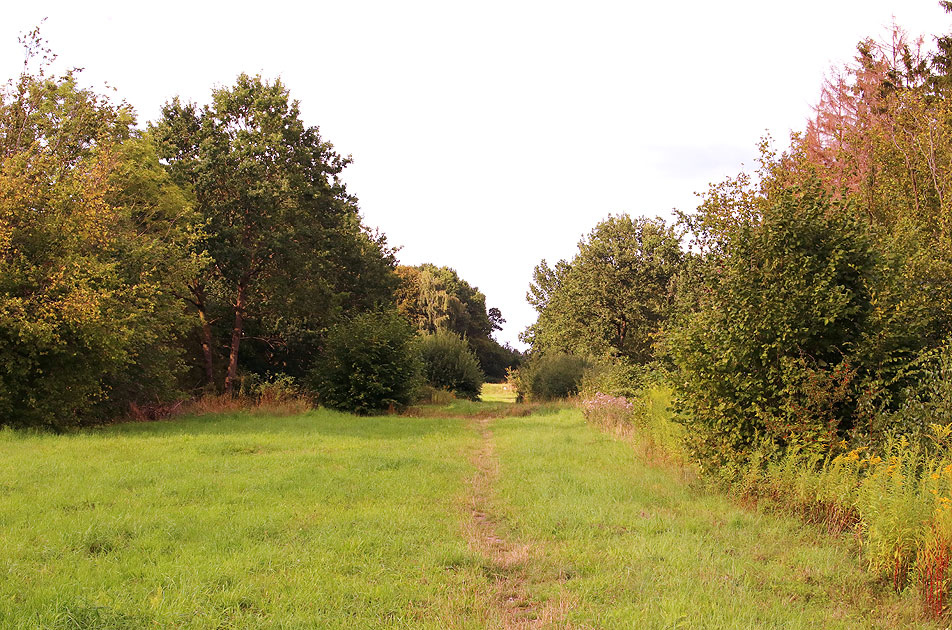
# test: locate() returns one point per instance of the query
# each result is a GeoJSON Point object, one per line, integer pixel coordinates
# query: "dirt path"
{"type": "Point", "coordinates": [510, 561]}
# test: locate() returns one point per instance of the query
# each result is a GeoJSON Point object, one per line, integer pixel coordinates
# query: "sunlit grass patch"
{"type": "Point", "coordinates": [498, 392]}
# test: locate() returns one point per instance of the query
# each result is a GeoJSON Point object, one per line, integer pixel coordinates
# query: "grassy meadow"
{"type": "Point", "coordinates": [239, 521]}
{"type": "Point", "coordinates": [498, 392]}
{"type": "Point", "coordinates": [325, 520]}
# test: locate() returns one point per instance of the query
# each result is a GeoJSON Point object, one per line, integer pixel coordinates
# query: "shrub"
{"type": "Point", "coordinates": [927, 402]}
{"type": "Point", "coordinates": [614, 377]}
{"type": "Point", "coordinates": [549, 376]}
{"type": "Point", "coordinates": [371, 363]}
{"type": "Point", "coordinates": [271, 389]}
{"type": "Point", "coordinates": [449, 364]}
{"type": "Point", "coordinates": [767, 353]}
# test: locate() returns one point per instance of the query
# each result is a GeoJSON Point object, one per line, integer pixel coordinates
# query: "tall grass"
{"type": "Point", "coordinates": [644, 419]}
{"type": "Point", "coordinates": [896, 500]}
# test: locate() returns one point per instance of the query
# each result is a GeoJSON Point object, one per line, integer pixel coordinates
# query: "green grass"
{"type": "Point", "coordinates": [316, 521]}
{"type": "Point", "coordinates": [325, 520]}
{"type": "Point", "coordinates": [628, 545]}
{"type": "Point", "coordinates": [497, 392]}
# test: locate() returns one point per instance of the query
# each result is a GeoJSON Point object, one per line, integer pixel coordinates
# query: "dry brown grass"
{"type": "Point", "coordinates": [217, 404]}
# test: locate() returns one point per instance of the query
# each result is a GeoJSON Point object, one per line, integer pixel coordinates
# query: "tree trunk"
{"type": "Point", "coordinates": [198, 293]}
{"type": "Point", "coordinates": [232, 374]}
{"type": "Point", "coordinates": [207, 347]}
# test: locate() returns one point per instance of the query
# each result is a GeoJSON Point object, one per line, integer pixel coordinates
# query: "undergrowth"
{"type": "Point", "coordinates": [896, 501]}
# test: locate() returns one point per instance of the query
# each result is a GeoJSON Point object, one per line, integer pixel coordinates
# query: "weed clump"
{"type": "Point", "coordinates": [611, 411]}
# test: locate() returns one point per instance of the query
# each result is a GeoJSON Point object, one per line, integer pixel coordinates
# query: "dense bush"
{"type": "Point", "coordinates": [450, 365]}
{"type": "Point", "coordinates": [94, 246]}
{"type": "Point", "coordinates": [371, 363]}
{"type": "Point", "coordinates": [767, 353]}
{"type": "Point", "coordinates": [549, 376]}
{"type": "Point", "coordinates": [925, 403]}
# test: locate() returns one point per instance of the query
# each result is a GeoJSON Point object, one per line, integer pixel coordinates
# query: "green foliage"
{"type": "Point", "coordinates": [613, 296]}
{"type": "Point", "coordinates": [371, 363]}
{"type": "Point", "coordinates": [495, 359]}
{"type": "Point", "coordinates": [436, 298]}
{"type": "Point", "coordinates": [288, 252]}
{"type": "Point", "coordinates": [779, 308]}
{"type": "Point", "coordinates": [449, 364]}
{"type": "Point", "coordinates": [549, 377]}
{"type": "Point", "coordinates": [614, 377]}
{"type": "Point", "coordinates": [926, 401]}
{"type": "Point", "coordinates": [271, 389]}
{"type": "Point", "coordinates": [94, 245]}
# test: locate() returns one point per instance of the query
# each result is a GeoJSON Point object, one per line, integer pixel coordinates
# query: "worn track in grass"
{"type": "Point", "coordinates": [509, 560]}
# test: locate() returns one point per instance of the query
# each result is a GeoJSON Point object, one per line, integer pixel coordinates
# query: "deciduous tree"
{"type": "Point", "coordinates": [288, 252]}
{"type": "Point", "coordinates": [613, 296]}
{"type": "Point", "coordinates": [94, 241]}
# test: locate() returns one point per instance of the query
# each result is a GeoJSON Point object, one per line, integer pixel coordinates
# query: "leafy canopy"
{"type": "Point", "coordinates": [94, 243]}
{"type": "Point", "coordinates": [612, 298]}
{"type": "Point", "coordinates": [288, 253]}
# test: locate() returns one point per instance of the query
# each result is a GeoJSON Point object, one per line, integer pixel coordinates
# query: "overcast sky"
{"type": "Point", "coordinates": [487, 136]}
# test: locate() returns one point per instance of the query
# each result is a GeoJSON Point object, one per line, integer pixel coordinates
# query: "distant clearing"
{"type": "Point", "coordinates": [498, 392]}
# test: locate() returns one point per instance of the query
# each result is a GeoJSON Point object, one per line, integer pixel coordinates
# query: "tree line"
{"type": "Point", "coordinates": [142, 266]}
{"type": "Point", "coordinates": [800, 305]}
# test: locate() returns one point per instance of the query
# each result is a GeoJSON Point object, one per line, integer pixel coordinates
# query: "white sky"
{"type": "Point", "coordinates": [489, 135]}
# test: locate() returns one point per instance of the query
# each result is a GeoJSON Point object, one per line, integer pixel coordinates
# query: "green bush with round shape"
{"type": "Point", "coordinates": [549, 377]}
{"type": "Point", "coordinates": [449, 364]}
{"type": "Point", "coordinates": [371, 363]}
